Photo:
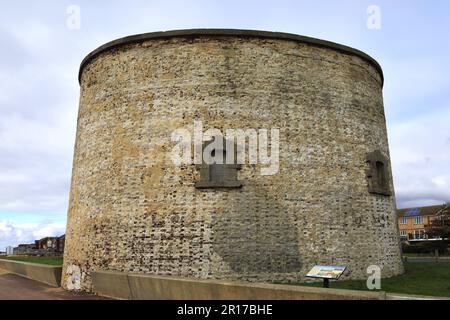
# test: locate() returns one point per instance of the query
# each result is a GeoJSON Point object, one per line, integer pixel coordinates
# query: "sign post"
{"type": "Point", "coordinates": [326, 273]}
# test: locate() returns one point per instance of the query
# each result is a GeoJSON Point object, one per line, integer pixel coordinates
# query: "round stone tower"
{"type": "Point", "coordinates": [329, 199]}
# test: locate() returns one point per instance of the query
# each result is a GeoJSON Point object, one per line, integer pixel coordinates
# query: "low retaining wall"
{"type": "Point", "coordinates": [47, 274]}
{"type": "Point", "coordinates": [149, 287]}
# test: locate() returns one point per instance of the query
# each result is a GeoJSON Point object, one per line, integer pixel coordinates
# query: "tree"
{"type": "Point", "coordinates": [439, 226]}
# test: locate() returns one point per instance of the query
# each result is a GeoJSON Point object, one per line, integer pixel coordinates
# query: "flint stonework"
{"type": "Point", "coordinates": [133, 210]}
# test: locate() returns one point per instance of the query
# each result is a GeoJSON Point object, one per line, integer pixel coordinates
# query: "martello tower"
{"type": "Point", "coordinates": [133, 210]}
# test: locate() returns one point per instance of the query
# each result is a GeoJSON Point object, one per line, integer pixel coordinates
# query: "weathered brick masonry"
{"type": "Point", "coordinates": [131, 209]}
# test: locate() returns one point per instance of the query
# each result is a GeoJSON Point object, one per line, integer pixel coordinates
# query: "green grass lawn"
{"type": "Point", "coordinates": [427, 255]}
{"type": "Point", "coordinates": [430, 279]}
{"type": "Point", "coordinates": [54, 261]}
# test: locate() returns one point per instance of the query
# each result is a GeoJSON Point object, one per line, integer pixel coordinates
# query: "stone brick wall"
{"type": "Point", "coordinates": [131, 209]}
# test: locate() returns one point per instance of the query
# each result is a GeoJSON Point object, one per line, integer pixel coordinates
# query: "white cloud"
{"type": "Point", "coordinates": [442, 181]}
{"type": "Point", "coordinates": [35, 162]}
{"type": "Point", "coordinates": [421, 159]}
{"type": "Point", "coordinates": [34, 36]}
{"type": "Point", "coordinates": [39, 90]}
{"type": "Point", "coordinates": [13, 233]}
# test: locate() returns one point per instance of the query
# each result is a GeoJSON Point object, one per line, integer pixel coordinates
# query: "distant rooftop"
{"type": "Point", "coordinates": [419, 211]}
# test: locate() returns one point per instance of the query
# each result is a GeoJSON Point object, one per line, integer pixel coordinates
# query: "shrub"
{"type": "Point", "coordinates": [426, 247]}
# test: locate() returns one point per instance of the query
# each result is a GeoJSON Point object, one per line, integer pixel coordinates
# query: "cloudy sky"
{"type": "Point", "coordinates": [41, 49]}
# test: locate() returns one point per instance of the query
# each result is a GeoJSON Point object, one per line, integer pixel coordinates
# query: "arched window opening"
{"type": "Point", "coordinates": [218, 171]}
{"type": "Point", "coordinates": [381, 173]}
{"type": "Point", "coordinates": [378, 174]}
{"type": "Point", "coordinates": [221, 174]}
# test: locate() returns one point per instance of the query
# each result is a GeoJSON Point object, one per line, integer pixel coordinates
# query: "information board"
{"type": "Point", "coordinates": [326, 272]}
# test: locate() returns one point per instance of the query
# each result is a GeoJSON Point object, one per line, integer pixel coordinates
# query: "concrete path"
{"type": "Point", "coordinates": [400, 296]}
{"type": "Point", "coordinates": [14, 287]}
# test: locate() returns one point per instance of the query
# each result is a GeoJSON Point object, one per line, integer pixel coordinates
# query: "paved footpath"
{"type": "Point", "coordinates": [14, 287]}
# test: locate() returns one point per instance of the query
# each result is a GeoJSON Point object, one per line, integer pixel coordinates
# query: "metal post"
{"type": "Point", "coordinates": [326, 283]}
